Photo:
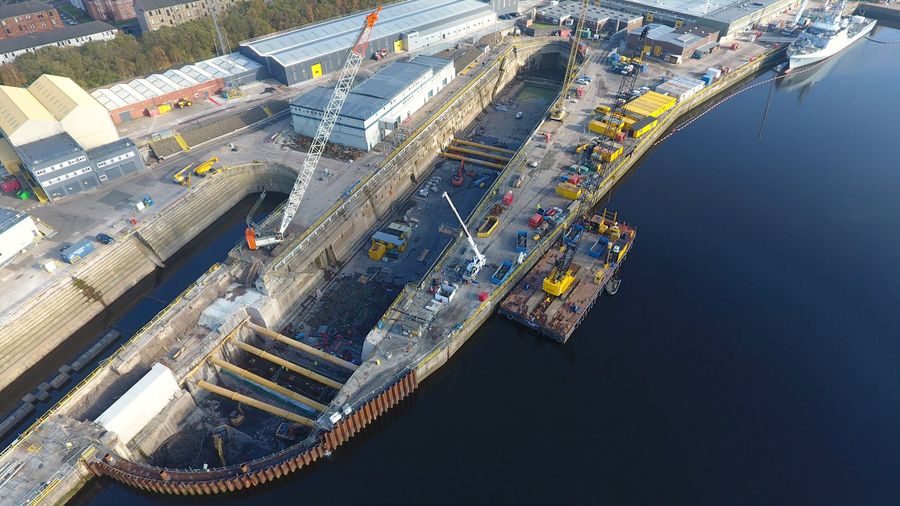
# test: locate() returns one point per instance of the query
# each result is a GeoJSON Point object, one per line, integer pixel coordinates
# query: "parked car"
{"type": "Point", "coordinates": [105, 239]}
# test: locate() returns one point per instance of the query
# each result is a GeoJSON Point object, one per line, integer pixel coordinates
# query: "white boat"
{"type": "Point", "coordinates": [827, 37]}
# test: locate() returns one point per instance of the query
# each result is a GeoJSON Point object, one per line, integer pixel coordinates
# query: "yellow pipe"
{"type": "Point", "coordinates": [473, 160]}
{"type": "Point", "coordinates": [301, 346]}
{"type": "Point", "coordinates": [271, 385]}
{"type": "Point", "coordinates": [483, 146]}
{"type": "Point", "coordinates": [250, 401]}
{"type": "Point", "coordinates": [265, 355]}
{"type": "Point", "coordinates": [479, 153]}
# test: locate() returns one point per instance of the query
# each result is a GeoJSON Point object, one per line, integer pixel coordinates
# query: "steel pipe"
{"type": "Point", "coordinates": [250, 401]}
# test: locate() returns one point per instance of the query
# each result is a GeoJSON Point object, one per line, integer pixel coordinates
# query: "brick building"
{"type": "Point", "coordinates": [110, 10]}
{"type": "Point", "coordinates": [155, 14]}
{"type": "Point", "coordinates": [25, 18]}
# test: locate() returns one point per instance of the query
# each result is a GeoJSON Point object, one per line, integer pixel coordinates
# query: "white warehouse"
{"type": "Point", "coordinates": [17, 232]}
{"type": "Point", "coordinates": [377, 106]}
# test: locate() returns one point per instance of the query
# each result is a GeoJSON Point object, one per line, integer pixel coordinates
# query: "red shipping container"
{"type": "Point", "coordinates": [508, 198]}
{"type": "Point", "coordinates": [620, 136]}
{"type": "Point", "coordinates": [536, 221]}
{"type": "Point", "coordinates": [575, 179]}
{"type": "Point", "coordinates": [10, 184]}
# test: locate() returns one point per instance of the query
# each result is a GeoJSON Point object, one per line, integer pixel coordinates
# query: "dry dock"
{"type": "Point", "coordinates": [234, 319]}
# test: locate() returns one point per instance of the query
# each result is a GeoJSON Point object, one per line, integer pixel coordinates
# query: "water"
{"type": "Point", "coordinates": [750, 357]}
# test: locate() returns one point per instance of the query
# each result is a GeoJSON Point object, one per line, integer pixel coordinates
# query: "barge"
{"type": "Point", "coordinates": [562, 287]}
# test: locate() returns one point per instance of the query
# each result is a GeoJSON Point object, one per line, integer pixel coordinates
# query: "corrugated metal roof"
{"type": "Point", "coordinates": [17, 107]}
{"type": "Point", "coordinates": [60, 95]}
{"type": "Point", "coordinates": [49, 147]}
{"type": "Point", "coordinates": [318, 40]}
{"type": "Point", "coordinates": [154, 85]}
{"type": "Point", "coordinates": [371, 95]}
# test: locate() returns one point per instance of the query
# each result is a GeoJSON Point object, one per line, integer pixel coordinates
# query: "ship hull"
{"type": "Point", "coordinates": [804, 60]}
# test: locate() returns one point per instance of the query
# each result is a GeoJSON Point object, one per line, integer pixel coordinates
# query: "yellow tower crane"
{"type": "Point", "coordinates": [558, 112]}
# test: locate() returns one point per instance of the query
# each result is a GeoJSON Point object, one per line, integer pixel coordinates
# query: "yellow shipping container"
{"type": "Point", "coordinates": [164, 108]}
{"type": "Point", "coordinates": [651, 104]}
{"type": "Point", "coordinates": [602, 109]}
{"type": "Point", "coordinates": [642, 127]}
{"type": "Point", "coordinates": [568, 190]}
{"type": "Point", "coordinates": [610, 155]}
{"type": "Point", "coordinates": [600, 127]}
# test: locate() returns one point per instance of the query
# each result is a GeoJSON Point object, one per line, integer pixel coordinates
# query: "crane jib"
{"type": "Point", "coordinates": [256, 239]}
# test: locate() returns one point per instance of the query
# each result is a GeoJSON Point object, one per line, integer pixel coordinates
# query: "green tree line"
{"type": "Point", "coordinates": [126, 57]}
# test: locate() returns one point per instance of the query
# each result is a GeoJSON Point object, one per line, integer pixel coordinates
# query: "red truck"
{"type": "Point", "coordinates": [536, 220]}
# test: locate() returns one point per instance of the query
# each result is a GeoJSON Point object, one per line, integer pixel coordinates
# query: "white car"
{"type": "Point", "coordinates": [423, 192]}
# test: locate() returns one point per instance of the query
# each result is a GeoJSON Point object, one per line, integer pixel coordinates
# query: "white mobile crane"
{"type": "Point", "coordinates": [260, 238]}
{"type": "Point", "coordinates": [478, 259]}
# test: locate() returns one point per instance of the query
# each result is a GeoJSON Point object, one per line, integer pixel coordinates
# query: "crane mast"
{"type": "Point", "coordinates": [624, 93]}
{"type": "Point", "coordinates": [317, 147]}
{"type": "Point", "coordinates": [558, 112]}
{"type": "Point", "coordinates": [478, 259]}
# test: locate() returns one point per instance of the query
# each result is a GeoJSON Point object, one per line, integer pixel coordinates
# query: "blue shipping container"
{"type": "Point", "coordinates": [77, 251]}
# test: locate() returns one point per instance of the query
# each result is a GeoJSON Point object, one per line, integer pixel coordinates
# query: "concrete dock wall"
{"type": "Point", "coordinates": [41, 323]}
{"type": "Point", "coordinates": [455, 339]}
{"type": "Point", "coordinates": [335, 237]}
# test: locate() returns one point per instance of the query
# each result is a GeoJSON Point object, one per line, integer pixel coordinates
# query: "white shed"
{"type": "Point", "coordinates": [146, 399]}
{"type": "Point", "coordinates": [17, 232]}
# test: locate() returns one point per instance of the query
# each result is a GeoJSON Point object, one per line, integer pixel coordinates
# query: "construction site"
{"type": "Point", "coordinates": [315, 327]}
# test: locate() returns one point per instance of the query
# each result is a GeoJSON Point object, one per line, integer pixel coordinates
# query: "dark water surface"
{"type": "Point", "coordinates": [752, 355]}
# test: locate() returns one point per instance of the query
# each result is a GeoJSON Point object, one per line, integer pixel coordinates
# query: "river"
{"type": "Point", "coordinates": [751, 355]}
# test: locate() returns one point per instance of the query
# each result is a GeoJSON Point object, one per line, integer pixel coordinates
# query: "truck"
{"type": "Point", "coordinates": [75, 252]}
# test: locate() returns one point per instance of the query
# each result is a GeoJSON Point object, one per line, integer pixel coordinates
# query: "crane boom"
{"type": "Point", "coordinates": [323, 132]}
{"type": "Point", "coordinates": [558, 112]}
{"type": "Point", "coordinates": [478, 259]}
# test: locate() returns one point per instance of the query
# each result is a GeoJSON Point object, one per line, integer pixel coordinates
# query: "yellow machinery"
{"type": "Point", "coordinates": [204, 167]}
{"type": "Point", "coordinates": [394, 238]}
{"type": "Point", "coordinates": [558, 111]}
{"type": "Point", "coordinates": [580, 149]}
{"type": "Point", "coordinates": [562, 275]}
{"type": "Point", "coordinates": [181, 103]}
{"type": "Point", "coordinates": [183, 176]}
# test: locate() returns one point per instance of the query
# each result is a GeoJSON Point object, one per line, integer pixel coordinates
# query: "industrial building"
{"type": "Point", "coordinates": [379, 105]}
{"type": "Point", "coordinates": [674, 44]}
{"type": "Point", "coordinates": [77, 112]}
{"type": "Point", "coordinates": [726, 17]}
{"type": "Point", "coordinates": [62, 140]}
{"type": "Point", "coordinates": [596, 18]}
{"type": "Point", "coordinates": [155, 14]}
{"type": "Point", "coordinates": [309, 52]}
{"type": "Point", "coordinates": [197, 81]}
{"type": "Point", "coordinates": [74, 35]}
{"type": "Point", "coordinates": [23, 18]}
{"type": "Point", "coordinates": [17, 232]}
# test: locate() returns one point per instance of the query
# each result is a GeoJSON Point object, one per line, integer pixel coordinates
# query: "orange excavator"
{"type": "Point", "coordinates": [459, 180]}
